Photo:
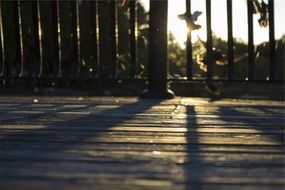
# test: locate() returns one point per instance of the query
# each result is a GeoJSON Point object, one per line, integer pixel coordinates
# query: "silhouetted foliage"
{"type": "Point", "coordinates": [177, 59]}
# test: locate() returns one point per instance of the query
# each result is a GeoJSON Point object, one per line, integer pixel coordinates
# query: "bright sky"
{"type": "Point", "coordinates": [219, 20]}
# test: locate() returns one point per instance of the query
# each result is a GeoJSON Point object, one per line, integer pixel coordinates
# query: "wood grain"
{"type": "Point", "coordinates": [128, 143]}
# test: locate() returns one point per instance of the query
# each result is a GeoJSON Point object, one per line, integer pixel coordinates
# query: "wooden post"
{"type": "Point", "coordinates": [158, 60]}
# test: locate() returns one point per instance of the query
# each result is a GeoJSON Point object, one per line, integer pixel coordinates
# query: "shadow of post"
{"type": "Point", "coordinates": [195, 166]}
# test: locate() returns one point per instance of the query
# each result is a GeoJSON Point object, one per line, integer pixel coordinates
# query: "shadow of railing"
{"type": "Point", "coordinates": [210, 162]}
{"type": "Point", "coordinates": [214, 163]}
{"type": "Point", "coordinates": [62, 134]}
{"type": "Point", "coordinates": [259, 118]}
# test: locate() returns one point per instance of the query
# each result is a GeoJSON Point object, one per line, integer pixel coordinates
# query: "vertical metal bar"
{"type": "Point", "coordinates": [114, 33]}
{"type": "Point", "coordinates": [76, 37]}
{"type": "Point", "coordinates": [95, 37]}
{"type": "Point", "coordinates": [38, 37]}
{"type": "Point", "coordinates": [250, 49]}
{"type": "Point", "coordinates": [57, 65]}
{"type": "Point", "coordinates": [272, 63]}
{"type": "Point", "coordinates": [158, 49]}
{"type": "Point", "coordinates": [19, 37]}
{"type": "Point", "coordinates": [2, 48]}
{"type": "Point", "coordinates": [230, 41]}
{"type": "Point", "coordinates": [209, 41]}
{"type": "Point", "coordinates": [189, 42]}
{"type": "Point", "coordinates": [133, 44]}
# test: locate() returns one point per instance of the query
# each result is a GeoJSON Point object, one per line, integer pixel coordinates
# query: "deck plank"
{"type": "Point", "coordinates": [128, 143]}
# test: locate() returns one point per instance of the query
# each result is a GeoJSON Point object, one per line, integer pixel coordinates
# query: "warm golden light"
{"type": "Point", "coordinates": [219, 20]}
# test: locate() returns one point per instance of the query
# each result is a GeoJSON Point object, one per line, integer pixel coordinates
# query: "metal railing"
{"type": "Point", "coordinates": [230, 44]}
{"type": "Point", "coordinates": [18, 68]}
{"type": "Point", "coordinates": [33, 67]}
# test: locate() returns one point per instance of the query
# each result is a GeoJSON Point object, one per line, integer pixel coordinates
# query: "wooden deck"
{"type": "Point", "coordinates": [68, 143]}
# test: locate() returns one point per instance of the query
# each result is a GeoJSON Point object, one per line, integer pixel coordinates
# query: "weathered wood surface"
{"type": "Point", "coordinates": [125, 143]}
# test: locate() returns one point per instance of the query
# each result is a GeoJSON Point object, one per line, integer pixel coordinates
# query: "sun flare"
{"type": "Point", "coordinates": [219, 20]}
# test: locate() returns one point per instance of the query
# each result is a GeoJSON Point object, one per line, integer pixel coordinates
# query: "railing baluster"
{"type": "Point", "coordinates": [57, 65]}
{"type": "Point", "coordinates": [209, 41]}
{"type": "Point", "coordinates": [114, 32]}
{"type": "Point", "coordinates": [250, 49]}
{"type": "Point", "coordinates": [2, 48]}
{"type": "Point", "coordinates": [271, 40]}
{"type": "Point", "coordinates": [37, 38]}
{"type": "Point", "coordinates": [95, 37]}
{"type": "Point", "coordinates": [189, 42]}
{"type": "Point", "coordinates": [19, 38]}
{"type": "Point", "coordinates": [76, 38]}
{"type": "Point", "coordinates": [133, 45]}
{"type": "Point", "coordinates": [230, 40]}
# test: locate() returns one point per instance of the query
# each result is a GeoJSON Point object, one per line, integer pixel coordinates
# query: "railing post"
{"type": "Point", "coordinates": [19, 39]}
{"type": "Point", "coordinates": [189, 43]}
{"type": "Point", "coordinates": [158, 62]}
{"type": "Point", "coordinates": [37, 39]}
{"type": "Point", "coordinates": [272, 43]}
{"type": "Point", "coordinates": [2, 52]}
{"type": "Point", "coordinates": [76, 39]}
{"type": "Point", "coordinates": [230, 40]}
{"type": "Point", "coordinates": [95, 38]}
{"type": "Point", "coordinates": [56, 28]}
{"type": "Point", "coordinates": [250, 48]}
{"type": "Point", "coordinates": [209, 41]}
{"type": "Point", "coordinates": [114, 39]}
{"type": "Point", "coordinates": [133, 36]}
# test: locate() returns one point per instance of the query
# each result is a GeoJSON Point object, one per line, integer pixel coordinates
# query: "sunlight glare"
{"type": "Point", "coordinates": [176, 26]}
{"type": "Point", "coordinates": [219, 20]}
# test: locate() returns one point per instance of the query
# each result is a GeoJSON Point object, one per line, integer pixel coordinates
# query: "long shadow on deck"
{"type": "Point", "coordinates": [57, 140]}
{"type": "Point", "coordinates": [194, 167]}
{"type": "Point", "coordinates": [202, 158]}
{"type": "Point", "coordinates": [258, 118]}
{"type": "Point", "coordinates": [205, 170]}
